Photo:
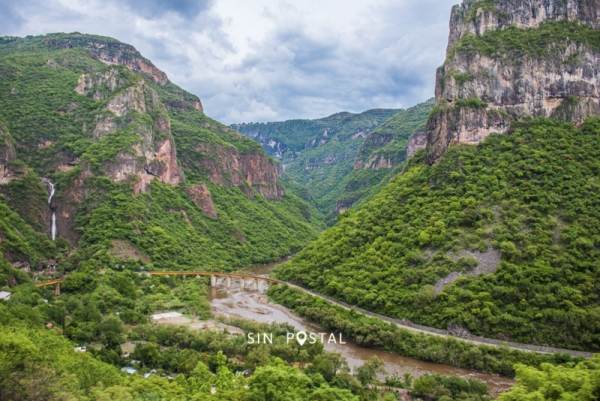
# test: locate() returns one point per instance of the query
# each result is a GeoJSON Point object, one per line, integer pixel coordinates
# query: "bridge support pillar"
{"type": "Point", "coordinates": [197, 276]}
{"type": "Point", "coordinates": [57, 289]}
{"type": "Point", "coordinates": [228, 280]}
{"type": "Point", "coordinates": [242, 283]}
{"type": "Point", "coordinates": [213, 281]}
{"type": "Point", "coordinates": [255, 284]}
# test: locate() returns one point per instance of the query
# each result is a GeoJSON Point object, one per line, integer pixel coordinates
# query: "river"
{"type": "Point", "coordinates": [246, 303]}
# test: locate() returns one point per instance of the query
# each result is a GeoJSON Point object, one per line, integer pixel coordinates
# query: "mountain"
{"type": "Point", "coordinates": [96, 141]}
{"type": "Point", "coordinates": [494, 234]}
{"type": "Point", "coordinates": [511, 59]}
{"type": "Point", "coordinates": [383, 154]}
{"type": "Point", "coordinates": [326, 155]}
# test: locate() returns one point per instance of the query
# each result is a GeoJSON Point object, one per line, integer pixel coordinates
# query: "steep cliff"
{"type": "Point", "coordinates": [128, 156]}
{"type": "Point", "coordinates": [318, 154]}
{"type": "Point", "coordinates": [109, 51]}
{"type": "Point", "coordinates": [511, 59]}
{"type": "Point", "coordinates": [7, 154]}
{"type": "Point", "coordinates": [382, 154]}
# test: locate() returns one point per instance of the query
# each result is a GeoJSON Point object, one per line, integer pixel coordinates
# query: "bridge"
{"type": "Point", "coordinates": [52, 282]}
{"type": "Point", "coordinates": [214, 275]}
{"type": "Point", "coordinates": [213, 278]}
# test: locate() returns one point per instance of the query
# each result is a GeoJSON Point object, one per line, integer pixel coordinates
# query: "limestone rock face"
{"type": "Point", "coordinates": [416, 142]}
{"type": "Point", "coordinates": [227, 166]}
{"type": "Point", "coordinates": [154, 155]}
{"type": "Point", "coordinates": [110, 51]}
{"type": "Point", "coordinates": [202, 197]}
{"type": "Point", "coordinates": [7, 155]}
{"type": "Point", "coordinates": [477, 94]}
{"type": "Point", "coordinates": [472, 17]}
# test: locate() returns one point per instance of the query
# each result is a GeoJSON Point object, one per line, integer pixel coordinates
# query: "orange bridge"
{"type": "Point", "coordinates": [213, 278]}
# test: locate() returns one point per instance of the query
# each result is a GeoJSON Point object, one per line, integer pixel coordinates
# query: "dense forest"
{"type": "Point", "coordinates": [530, 195]}
{"type": "Point", "coordinates": [58, 122]}
{"type": "Point", "coordinates": [108, 171]}
{"type": "Point", "coordinates": [342, 160]}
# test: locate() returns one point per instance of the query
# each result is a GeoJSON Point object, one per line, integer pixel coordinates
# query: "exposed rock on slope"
{"type": "Point", "coordinates": [226, 166]}
{"type": "Point", "coordinates": [154, 152]}
{"type": "Point", "coordinates": [7, 154]}
{"type": "Point", "coordinates": [318, 153]}
{"type": "Point", "coordinates": [202, 197]}
{"type": "Point", "coordinates": [489, 80]}
{"type": "Point", "coordinates": [109, 51]}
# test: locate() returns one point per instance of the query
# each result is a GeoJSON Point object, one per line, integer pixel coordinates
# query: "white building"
{"type": "Point", "coordinates": [4, 296]}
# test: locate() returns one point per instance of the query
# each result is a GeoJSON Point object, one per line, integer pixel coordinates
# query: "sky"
{"type": "Point", "coordinates": [267, 60]}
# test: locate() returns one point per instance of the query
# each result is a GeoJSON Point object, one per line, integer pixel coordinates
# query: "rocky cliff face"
{"type": "Point", "coordinates": [110, 51]}
{"type": "Point", "coordinates": [365, 161]}
{"type": "Point", "coordinates": [154, 155]}
{"type": "Point", "coordinates": [226, 166]}
{"type": "Point", "coordinates": [415, 142]}
{"type": "Point", "coordinates": [200, 194]}
{"type": "Point", "coordinates": [7, 155]}
{"type": "Point", "coordinates": [487, 81]}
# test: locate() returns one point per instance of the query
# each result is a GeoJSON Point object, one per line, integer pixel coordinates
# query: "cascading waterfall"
{"type": "Point", "coordinates": [53, 213]}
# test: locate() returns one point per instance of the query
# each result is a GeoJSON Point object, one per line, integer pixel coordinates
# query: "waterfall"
{"type": "Point", "coordinates": [53, 231]}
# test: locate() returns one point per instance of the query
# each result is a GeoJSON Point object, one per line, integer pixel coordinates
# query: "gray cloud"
{"type": "Point", "coordinates": [268, 60]}
{"type": "Point", "coordinates": [157, 8]}
{"type": "Point", "coordinates": [10, 20]}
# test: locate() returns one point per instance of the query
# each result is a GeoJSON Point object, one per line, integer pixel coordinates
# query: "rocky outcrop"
{"type": "Point", "coordinates": [479, 92]}
{"type": "Point", "coordinates": [200, 194]}
{"type": "Point", "coordinates": [154, 155]}
{"type": "Point", "coordinates": [226, 166]}
{"type": "Point", "coordinates": [7, 155]}
{"type": "Point", "coordinates": [186, 101]}
{"type": "Point", "coordinates": [110, 79]}
{"type": "Point", "coordinates": [476, 17]}
{"type": "Point", "coordinates": [416, 142]}
{"type": "Point", "coordinates": [110, 51]}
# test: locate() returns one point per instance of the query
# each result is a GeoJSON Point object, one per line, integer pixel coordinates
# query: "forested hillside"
{"type": "Point", "coordinates": [345, 159]}
{"type": "Point", "coordinates": [522, 207]}
{"type": "Point", "coordinates": [383, 154]}
{"type": "Point", "coordinates": [318, 154]}
{"type": "Point", "coordinates": [138, 169]}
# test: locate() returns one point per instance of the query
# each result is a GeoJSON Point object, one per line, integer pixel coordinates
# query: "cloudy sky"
{"type": "Point", "coordinates": [267, 60]}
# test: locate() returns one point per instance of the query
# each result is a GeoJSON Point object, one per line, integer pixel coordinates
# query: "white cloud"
{"type": "Point", "coordinates": [266, 60]}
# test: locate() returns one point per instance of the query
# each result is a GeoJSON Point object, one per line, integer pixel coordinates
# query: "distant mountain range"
{"type": "Point", "coordinates": [342, 159]}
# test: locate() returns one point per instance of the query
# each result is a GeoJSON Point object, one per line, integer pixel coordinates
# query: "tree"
{"type": "Point", "coordinates": [148, 354]}
{"type": "Point", "coordinates": [563, 382]}
{"type": "Point", "coordinates": [328, 364]}
{"type": "Point", "coordinates": [367, 373]}
{"type": "Point", "coordinates": [424, 385]}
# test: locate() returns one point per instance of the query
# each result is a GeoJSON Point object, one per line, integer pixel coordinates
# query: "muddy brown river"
{"type": "Point", "coordinates": [246, 303]}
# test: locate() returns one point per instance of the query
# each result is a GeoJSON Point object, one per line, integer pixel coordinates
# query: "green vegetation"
{"type": "Point", "coordinates": [110, 311]}
{"type": "Point", "coordinates": [553, 383]}
{"type": "Point", "coordinates": [375, 333]}
{"type": "Point", "coordinates": [443, 388]}
{"type": "Point", "coordinates": [471, 103]}
{"type": "Point", "coordinates": [75, 141]}
{"type": "Point", "coordinates": [319, 154]}
{"type": "Point", "coordinates": [549, 40]}
{"type": "Point", "coordinates": [387, 144]}
{"type": "Point", "coordinates": [531, 194]}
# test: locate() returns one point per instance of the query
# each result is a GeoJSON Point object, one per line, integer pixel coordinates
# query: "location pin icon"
{"type": "Point", "coordinates": [301, 337]}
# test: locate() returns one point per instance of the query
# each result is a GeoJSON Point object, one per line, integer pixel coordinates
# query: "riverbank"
{"type": "Point", "coordinates": [376, 333]}
{"type": "Point", "coordinates": [237, 302]}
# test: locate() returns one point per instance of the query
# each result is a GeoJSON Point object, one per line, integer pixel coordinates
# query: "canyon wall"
{"type": "Point", "coordinates": [487, 81]}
